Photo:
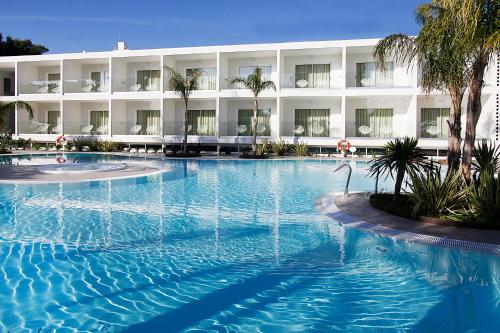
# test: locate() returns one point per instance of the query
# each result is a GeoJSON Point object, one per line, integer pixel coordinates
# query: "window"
{"type": "Point", "coordinates": [149, 80]}
{"type": "Point", "coordinates": [433, 123]}
{"type": "Point", "coordinates": [99, 81]}
{"type": "Point", "coordinates": [245, 71]}
{"type": "Point", "coordinates": [312, 76]}
{"type": "Point", "coordinates": [53, 82]}
{"type": "Point", "coordinates": [374, 123]}
{"type": "Point", "coordinates": [368, 74]}
{"type": "Point", "coordinates": [245, 122]}
{"type": "Point", "coordinates": [149, 120]}
{"type": "Point", "coordinates": [207, 80]}
{"type": "Point", "coordinates": [99, 121]}
{"type": "Point", "coordinates": [54, 121]}
{"type": "Point", "coordinates": [202, 122]}
{"type": "Point", "coordinates": [7, 86]}
{"type": "Point", "coordinates": [312, 122]}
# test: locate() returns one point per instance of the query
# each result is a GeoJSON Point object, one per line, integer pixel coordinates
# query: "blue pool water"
{"type": "Point", "coordinates": [225, 246]}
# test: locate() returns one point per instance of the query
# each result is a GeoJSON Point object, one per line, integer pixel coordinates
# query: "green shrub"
{"type": "Point", "coordinates": [5, 142]}
{"type": "Point", "coordinates": [264, 147]}
{"type": "Point", "coordinates": [432, 194]}
{"type": "Point", "coordinates": [107, 146]}
{"type": "Point", "coordinates": [279, 147]}
{"type": "Point", "coordinates": [301, 149]}
{"type": "Point", "coordinates": [80, 141]}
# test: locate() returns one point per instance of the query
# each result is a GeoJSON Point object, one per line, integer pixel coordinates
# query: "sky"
{"type": "Point", "coordinates": [96, 25]}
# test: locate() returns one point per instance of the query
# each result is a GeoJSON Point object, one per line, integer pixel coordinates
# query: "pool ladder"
{"type": "Point", "coordinates": [347, 165]}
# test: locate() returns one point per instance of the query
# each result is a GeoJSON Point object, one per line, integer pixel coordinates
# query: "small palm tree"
{"type": "Point", "coordinates": [4, 107]}
{"type": "Point", "coordinates": [400, 157]}
{"type": "Point", "coordinates": [256, 84]}
{"type": "Point", "coordinates": [183, 87]}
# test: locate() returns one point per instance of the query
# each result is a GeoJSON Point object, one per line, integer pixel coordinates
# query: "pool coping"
{"type": "Point", "coordinates": [327, 204]}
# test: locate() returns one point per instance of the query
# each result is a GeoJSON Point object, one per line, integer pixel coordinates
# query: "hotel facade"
{"type": "Point", "coordinates": [325, 91]}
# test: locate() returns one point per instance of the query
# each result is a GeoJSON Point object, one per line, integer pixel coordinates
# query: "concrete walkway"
{"type": "Point", "coordinates": [358, 206]}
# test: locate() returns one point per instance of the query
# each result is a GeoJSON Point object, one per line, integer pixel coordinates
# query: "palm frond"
{"type": "Point", "coordinates": [399, 47]}
{"type": "Point", "coordinates": [20, 105]}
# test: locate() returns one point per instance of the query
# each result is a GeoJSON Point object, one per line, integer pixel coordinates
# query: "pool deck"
{"type": "Point", "coordinates": [30, 174]}
{"type": "Point", "coordinates": [358, 206]}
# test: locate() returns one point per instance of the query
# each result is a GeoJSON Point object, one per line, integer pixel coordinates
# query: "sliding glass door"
{"type": "Point", "coordinates": [312, 122]}
{"type": "Point", "coordinates": [433, 123]}
{"type": "Point", "coordinates": [368, 74]}
{"type": "Point", "coordinates": [244, 127]}
{"type": "Point", "coordinates": [149, 120]}
{"type": "Point", "coordinates": [100, 122]}
{"type": "Point", "coordinates": [54, 121]}
{"type": "Point", "coordinates": [312, 76]}
{"type": "Point", "coordinates": [201, 122]}
{"type": "Point", "coordinates": [99, 81]}
{"type": "Point", "coordinates": [149, 80]}
{"type": "Point", "coordinates": [374, 123]}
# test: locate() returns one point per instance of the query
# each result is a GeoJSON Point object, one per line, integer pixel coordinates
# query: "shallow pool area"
{"type": "Point", "coordinates": [225, 246]}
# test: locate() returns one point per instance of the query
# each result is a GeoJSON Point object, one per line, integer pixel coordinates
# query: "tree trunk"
{"type": "Point", "coordinates": [184, 141]}
{"type": "Point", "coordinates": [454, 135]}
{"type": "Point", "coordinates": [399, 182]}
{"type": "Point", "coordinates": [474, 109]}
{"type": "Point", "coordinates": [254, 126]}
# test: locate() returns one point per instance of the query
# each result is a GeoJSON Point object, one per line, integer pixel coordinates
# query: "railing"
{"type": "Point", "coordinates": [289, 80]}
{"type": "Point", "coordinates": [205, 82]}
{"type": "Point", "coordinates": [39, 87]}
{"type": "Point", "coordinates": [321, 129]}
{"type": "Point", "coordinates": [37, 127]}
{"type": "Point", "coordinates": [85, 86]}
{"type": "Point", "coordinates": [234, 128]}
{"type": "Point", "coordinates": [131, 85]}
{"type": "Point", "coordinates": [80, 128]}
{"type": "Point", "coordinates": [346, 189]}
{"type": "Point", "coordinates": [131, 128]}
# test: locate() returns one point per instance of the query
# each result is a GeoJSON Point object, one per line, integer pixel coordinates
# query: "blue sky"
{"type": "Point", "coordinates": [95, 25]}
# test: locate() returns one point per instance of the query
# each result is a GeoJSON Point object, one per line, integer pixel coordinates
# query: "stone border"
{"type": "Point", "coordinates": [326, 204]}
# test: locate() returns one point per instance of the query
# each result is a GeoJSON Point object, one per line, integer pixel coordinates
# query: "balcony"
{"type": "Point", "coordinates": [39, 87]}
{"type": "Point", "coordinates": [86, 86]}
{"type": "Point", "coordinates": [186, 64]}
{"type": "Point", "coordinates": [132, 84]}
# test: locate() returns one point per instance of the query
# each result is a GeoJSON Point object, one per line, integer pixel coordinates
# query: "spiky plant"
{"type": "Point", "coordinates": [301, 149]}
{"type": "Point", "coordinates": [400, 157]}
{"type": "Point", "coordinates": [256, 83]}
{"type": "Point", "coordinates": [183, 86]}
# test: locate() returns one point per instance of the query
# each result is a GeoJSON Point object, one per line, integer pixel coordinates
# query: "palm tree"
{"type": "Point", "coordinates": [401, 156]}
{"type": "Point", "coordinates": [183, 87]}
{"type": "Point", "coordinates": [440, 59]}
{"type": "Point", "coordinates": [4, 107]}
{"type": "Point", "coordinates": [480, 39]}
{"type": "Point", "coordinates": [256, 84]}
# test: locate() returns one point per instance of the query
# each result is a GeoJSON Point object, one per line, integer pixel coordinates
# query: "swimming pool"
{"type": "Point", "coordinates": [225, 246]}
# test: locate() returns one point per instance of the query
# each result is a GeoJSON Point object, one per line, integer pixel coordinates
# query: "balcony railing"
{"type": "Point", "coordinates": [85, 86]}
{"type": "Point", "coordinates": [131, 128]}
{"type": "Point", "coordinates": [36, 127]}
{"type": "Point", "coordinates": [313, 130]}
{"type": "Point", "coordinates": [131, 85]}
{"type": "Point", "coordinates": [289, 80]}
{"type": "Point", "coordinates": [39, 87]}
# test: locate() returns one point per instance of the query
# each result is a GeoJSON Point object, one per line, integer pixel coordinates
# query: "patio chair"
{"type": "Point", "coordinates": [261, 128]}
{"type": "Point", "coordinates": [302, 83]}
{"type": "Point", "coordinates": [241, 129]}
{"type": "Point", "coordinates": [42, 128]}
{"type": "Point", "coordinates": [202, 129]}
{"type": "Point", "coordinates": [433, 130]}
{"type": "Point", "coordinates": [102, 130]}
{"type": "Point", "coordinates": [151, 151]}
{"type": "Point", "coordinates": [141, 151]}
{"type": "Point", "coordinates": [299, 130]}
{"type": "Point", "coordinates": [135, 87]}
{"type": "Point", "coordinates": [85, 148]}
{"type": "Point", "coordinates": [152, 130]}
{"type": "Point", "coordinates": [133, 150]}
{"type": "Point", "coordinates": [43, 90]}
{"type": "Point", "coordinates": [317, 129]}
{"type": "Point", "coordinates": [134, 130]}
{"type": "Point", "coordinates": [87, 129]}
{"type": "Point", "coordinates": [364, 130]}
{"type": "Point", "coordinates": [56, 130]}
{"type": "Point", "coordinates": [87, 88]}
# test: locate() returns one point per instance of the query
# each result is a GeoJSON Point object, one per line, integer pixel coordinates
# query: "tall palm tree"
{"type": "Point", "coordinates": [400, 157]}
{"type": "Point", "coordinates": [183, 87]}
{"type": "Point", "coordinates": [256, 84]}
{"type": "Point", "coordinates": [479, 22]}
{"type": "Point", "coordinates": [4, 107]}
{"type": "Point", "coordinates": [440, 59]}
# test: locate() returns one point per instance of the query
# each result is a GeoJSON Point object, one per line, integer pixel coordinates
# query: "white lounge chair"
{"type": "Point", "coordinates": [134, 130]}
{"type": "Point", "coordinates": [85, 148]}
{"type": "Point", "coordinates": [241, 129]}
{"type": "Point", "coordinates": [299, 130]}
{"type": "Point", "coordinates": [261, 128]}
{"type": "Point", "coordinates": [133, 150]}
{"type": "Point", "coordinates": [135, 87]}
{"type": "Point", "coordinates": [126, 150]}
{"type": "Point", "coordinates": [151, 151]}
{"type": "Point", "coordinates": [42, 148]}
{"type": "Point", "coordinates": [42, 128]}
{"type": "Point", "coordinates": [102, 130]}
{"type": "Point", "coordinates": [433, 130]}
{"type": "Point", "coordinates": [53, 148]}
{"type": "Point", "coordinates": [87, 129]}
{"type": "Point", "coordinates": [56, 130]}
{"type": "Point", "coordinates": [317, 129]}
{"type": "Point", "coordinates": [152, 130]}
{"type": "Point", "coordinates": [43, 90]}
{"type": "Point", "coordinates": [141, 151]}
{"type": "Point", "coordinates": [73, 148]}
{"type": "Point", "coordinates": [302, 83]}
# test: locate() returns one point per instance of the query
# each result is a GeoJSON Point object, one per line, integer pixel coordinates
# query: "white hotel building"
{"type": "Point", "coordinates": [326, 91]}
